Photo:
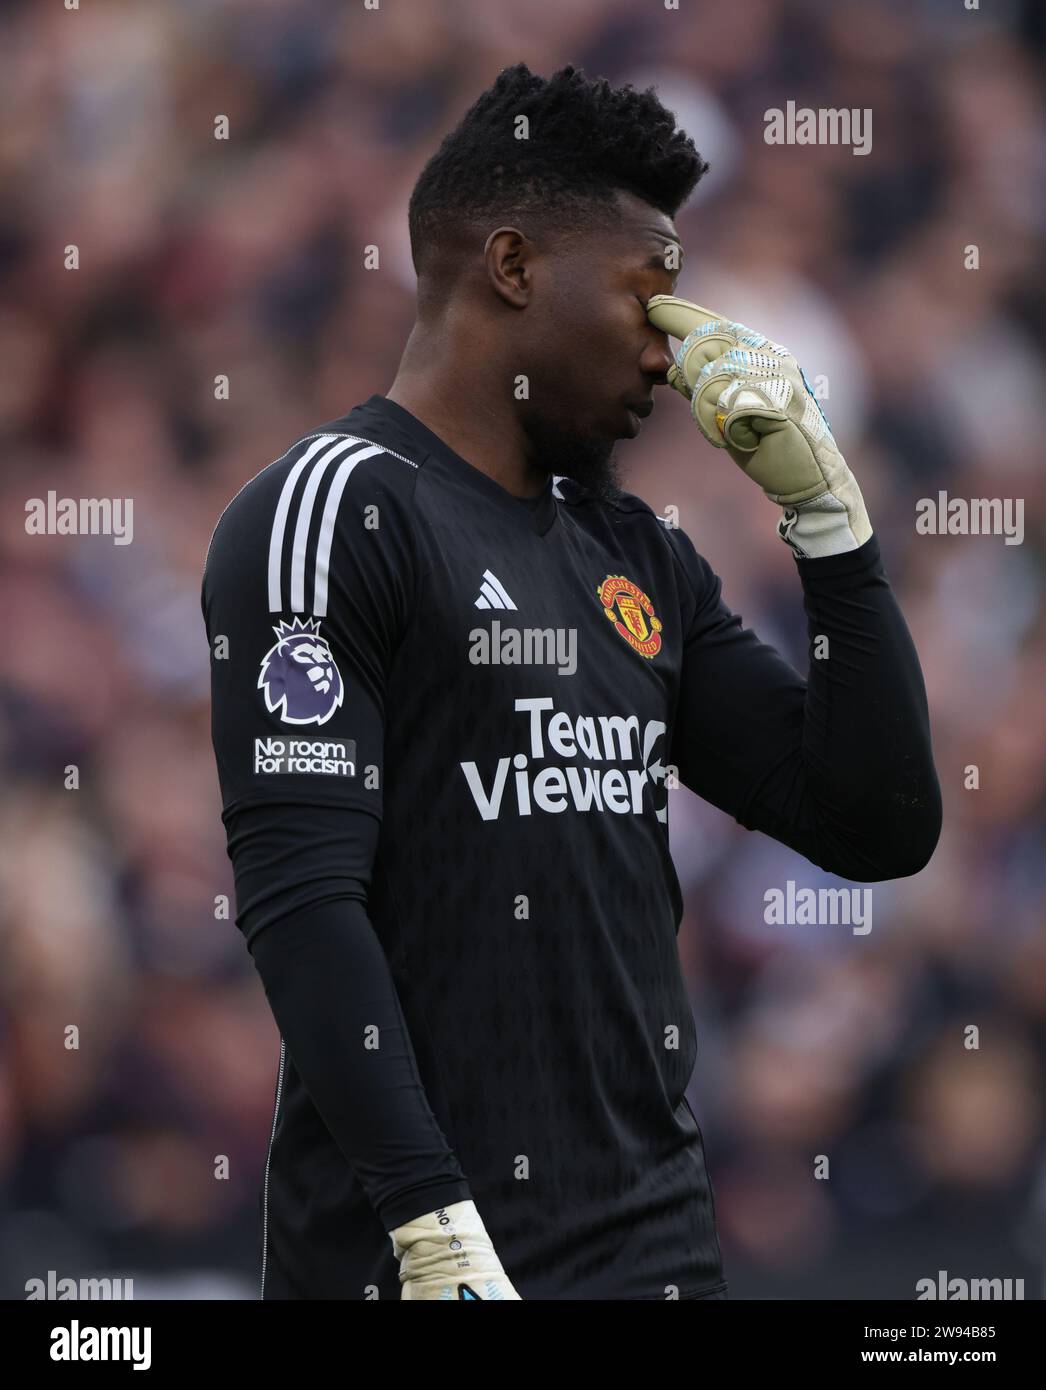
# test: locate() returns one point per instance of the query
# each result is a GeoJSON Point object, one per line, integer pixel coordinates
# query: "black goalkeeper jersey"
{"type": "Point", "coordinates": [463, 716]}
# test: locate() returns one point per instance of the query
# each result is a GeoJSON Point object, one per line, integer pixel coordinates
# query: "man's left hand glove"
{"type": "Point", "coordinates": [751, 397]}
{"type": "Point", "coordinates": [448, 1255]}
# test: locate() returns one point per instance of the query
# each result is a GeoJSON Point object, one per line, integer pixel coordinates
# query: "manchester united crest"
{"type": "Point", "coordinates": [632, 614]}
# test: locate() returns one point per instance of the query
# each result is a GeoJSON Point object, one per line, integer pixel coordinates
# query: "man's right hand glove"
{"type": "Point", "coordinates": [448, 1255]}
{"type": "Point", "coordinates": [750, 397]}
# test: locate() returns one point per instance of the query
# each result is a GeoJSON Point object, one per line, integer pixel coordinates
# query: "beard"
{"type": "Point", "coordinates": [585, 459]}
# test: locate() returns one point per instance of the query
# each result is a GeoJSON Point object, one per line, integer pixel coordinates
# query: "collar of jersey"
{"type": "Point", "coordinates": [539, 517]}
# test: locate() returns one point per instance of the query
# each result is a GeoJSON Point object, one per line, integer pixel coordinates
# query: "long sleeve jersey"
{"type": "Point", "coordinates": [447, 723]}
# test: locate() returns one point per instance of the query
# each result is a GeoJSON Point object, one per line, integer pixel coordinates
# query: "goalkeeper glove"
{"type": "Point", "coordinates": [448, 1254]}
{"type": "Point", "coordinates": [750, 397]}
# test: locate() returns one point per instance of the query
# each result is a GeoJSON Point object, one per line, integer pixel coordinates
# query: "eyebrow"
{"type": "Point", "coordinates": [656, 260]}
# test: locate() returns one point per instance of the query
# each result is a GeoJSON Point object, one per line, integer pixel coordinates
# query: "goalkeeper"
{"type": "Point", "coordinates": [453, 664]}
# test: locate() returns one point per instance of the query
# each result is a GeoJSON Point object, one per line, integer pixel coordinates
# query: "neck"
{"type": "Point", "coordinates": [449, 391]}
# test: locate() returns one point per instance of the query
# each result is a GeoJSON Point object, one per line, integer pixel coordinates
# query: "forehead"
{"type": "Point", "coordinates": [644, 234]}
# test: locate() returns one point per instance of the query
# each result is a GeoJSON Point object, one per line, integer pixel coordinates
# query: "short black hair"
{"type": "Point", "coordinates": [586, 140]}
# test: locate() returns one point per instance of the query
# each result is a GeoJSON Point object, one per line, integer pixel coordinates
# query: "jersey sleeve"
{"type": "Point", "coordinates": [741, 704]}
{"type": "Point", "coordinates": [838, 766]}
{"type": "Point", "coordinates": [306, 591]}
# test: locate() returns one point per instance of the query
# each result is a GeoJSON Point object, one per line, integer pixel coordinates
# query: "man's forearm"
{"type": "Point", "coordinates": [860, 794]}
{"type": "Point", "coordinates": [327, 982]}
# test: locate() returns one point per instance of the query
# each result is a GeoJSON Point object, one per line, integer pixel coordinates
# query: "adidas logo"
{"type": "Point", "coordinates": [492, 593]}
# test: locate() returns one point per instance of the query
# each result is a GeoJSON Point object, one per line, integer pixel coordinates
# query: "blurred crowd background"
{"type": "Point", "coordinates": [245, 258]}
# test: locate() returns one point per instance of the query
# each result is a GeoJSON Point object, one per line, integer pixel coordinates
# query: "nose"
{"type": "Point", "coordinates": [656, 359]}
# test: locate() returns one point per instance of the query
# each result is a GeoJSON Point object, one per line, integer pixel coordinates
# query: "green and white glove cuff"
{"type": "Point", "coordinates": [447, 1254]}
{"type": "Point", "coordinates": [822, 526]}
